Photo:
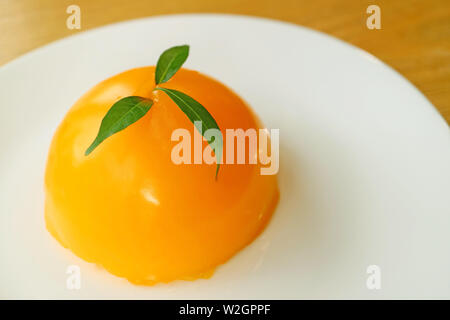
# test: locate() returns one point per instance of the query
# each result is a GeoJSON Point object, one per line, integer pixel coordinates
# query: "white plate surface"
{"type": "Point", "coordinates": [364, 175]}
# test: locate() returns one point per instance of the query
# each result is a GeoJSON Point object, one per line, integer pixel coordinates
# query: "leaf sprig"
{"type": "Point", "coordinates": [128, 110]}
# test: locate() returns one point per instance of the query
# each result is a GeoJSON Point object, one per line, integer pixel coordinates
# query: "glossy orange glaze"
{"type": "Point", "coordinates": [129, 208]}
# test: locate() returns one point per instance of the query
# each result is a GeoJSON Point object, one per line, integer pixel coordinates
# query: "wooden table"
{"type": "Point", "coordinates": [414, 37]}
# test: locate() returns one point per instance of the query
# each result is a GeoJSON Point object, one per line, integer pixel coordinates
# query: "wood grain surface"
{"type": "Point", "coordinates": [414, 37]}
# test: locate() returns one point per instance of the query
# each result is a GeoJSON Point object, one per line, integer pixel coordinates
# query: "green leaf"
{"type": "Point", "coordinates": [124, 112]}
{"type": "Point", "coordinates": [196, 112]}
{"type": "Point", "coordinates": [170, 62]}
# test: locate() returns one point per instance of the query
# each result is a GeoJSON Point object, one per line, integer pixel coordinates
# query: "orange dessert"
{"type": "Point", "coordinates": [129, 208]}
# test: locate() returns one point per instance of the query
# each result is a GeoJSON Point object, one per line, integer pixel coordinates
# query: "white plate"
{"type": "Point", "coordinates": [365, 162]}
